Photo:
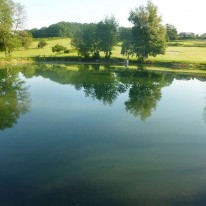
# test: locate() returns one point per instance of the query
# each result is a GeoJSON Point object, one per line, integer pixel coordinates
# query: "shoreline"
{"type": "Point", "coordinates": [15, 61]}
{"type": "Point", "coordinates": [177, 67]}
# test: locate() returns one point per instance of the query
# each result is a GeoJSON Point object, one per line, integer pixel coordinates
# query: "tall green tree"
{"type": "Point", "coordinates": [25, 38]}
{"type": "Point", "coordinates": [5, 23]}
{"type": "Point", "coordinates": [171, 32]}
{"type": "Point", "coordinates": [107, 34]}
{"type": "Point", "coordinates": [85, 41]}
{"type": "Point", "coordinates": [148, 33]}
{"type": "Point", "coordinates": [127, 47]}
{"type": "Point", "coordinates": [12, 17]}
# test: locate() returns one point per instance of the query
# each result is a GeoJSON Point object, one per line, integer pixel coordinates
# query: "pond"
{"type": "Point", "coordinates": [87, 135]}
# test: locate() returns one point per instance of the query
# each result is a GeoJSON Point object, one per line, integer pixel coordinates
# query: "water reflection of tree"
{"type": "Point", "coordinates": [204, 114]}
{"type": "Point", "coordinates": [97, 82]}
{"type": "Point", "coordinates": [103, 83]}
{"type": "Point", "coordinates": [14, 98]}
{"type": "Point", "coordinates": [144, 92]}
{"type": "Point", "coordinates": [142, 100]}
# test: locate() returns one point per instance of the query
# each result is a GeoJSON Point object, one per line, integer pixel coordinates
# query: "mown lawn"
{"type": "Point", "coordinates": [34, 51]}
{"type": "Point", "coordinates": [187, 54]}
{"type": "Point", "coordinates": [183, 54]}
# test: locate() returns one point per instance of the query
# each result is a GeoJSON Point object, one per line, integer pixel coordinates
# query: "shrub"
{"type": "Point", "coordinates": [42, 44]}
{"type": "Point", "coordinates": [59, 48]}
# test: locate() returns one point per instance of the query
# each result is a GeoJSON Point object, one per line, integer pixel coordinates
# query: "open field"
{"type": "Point", "coordinates": [34, 51]}
{"type": "Point", "coordinates": [184, 54]}
{"type": "Point", "coordinates": [189, 43]}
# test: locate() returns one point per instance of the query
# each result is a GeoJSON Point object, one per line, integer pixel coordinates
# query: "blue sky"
{"type": "Point", "coordinates": [185, 15]}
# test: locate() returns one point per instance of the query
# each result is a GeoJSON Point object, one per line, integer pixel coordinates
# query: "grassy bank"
{"type": "Point", "coordinates": [186, 56]}
{"type": "Point", "coordinates": [14, 61]}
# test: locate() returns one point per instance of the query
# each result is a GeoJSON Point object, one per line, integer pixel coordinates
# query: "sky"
{"type": "Point", "coordinates": [185, 15]}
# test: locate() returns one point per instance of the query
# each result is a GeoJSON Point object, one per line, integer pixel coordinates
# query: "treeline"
{"type": "Point", "coordinates": [68, 29]}
{"type": "Point", "coordinates": [61, 29]}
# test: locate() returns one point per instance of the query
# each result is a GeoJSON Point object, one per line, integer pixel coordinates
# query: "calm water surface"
{"type": "Point", "coordinates": [94, 136]}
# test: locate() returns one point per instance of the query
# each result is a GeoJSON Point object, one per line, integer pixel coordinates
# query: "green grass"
{"type": "Point", "coordinates": [34, 51]}
{"type": "Point", "coordinates": [188, 43]}
{"type": "Point", "coordinates": [184, 54]}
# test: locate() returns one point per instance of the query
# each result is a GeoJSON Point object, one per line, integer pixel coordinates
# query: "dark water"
{"type": "Point", "coordinates": [94, 136]}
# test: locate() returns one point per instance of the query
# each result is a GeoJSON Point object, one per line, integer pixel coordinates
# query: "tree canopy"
{"type": "Point", "coordinates": [12, 18]}
{"type": "Point", "coordinates": [171, 32]}
{"type": "Point", "coordinates": [85, 41]}
{"type": "Point", "coordinates": [61, 29]}
{"type": "Point", "coordinates": [107, 32]}
{"type": "Point", "coordinates": [42, 43]}
{"type": "Point", "coordinates": [92, 39]}
{"type": "Point", "coordinates": [148, 33]}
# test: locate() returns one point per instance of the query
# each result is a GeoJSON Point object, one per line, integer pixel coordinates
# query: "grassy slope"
{"type": "Point", "coordinates": [33, 51]}
{"type": "Point", "coordinates": [183, 54]}
{"type": "Point", "coordinates": [187, 54]}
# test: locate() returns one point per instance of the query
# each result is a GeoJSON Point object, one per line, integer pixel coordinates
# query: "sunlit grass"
{"type": "Point", "coordinates": [183, 54]}
{"type": "Point", "coordinates": [173, 53]}
{"type": "Point", "coordinates": [34, 51]}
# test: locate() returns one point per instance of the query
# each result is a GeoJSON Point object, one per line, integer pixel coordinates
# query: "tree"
{"type": "Point", "coordinates": [107, 34]}
{"type": "Point", "coordinates": [127, 42]}
{"type": "Point", "coordinates": [25, 38]}
{"type": "Point", "coordinates": [149, 35]}
{"type": "Point", "coordinates": [42, 44]}
{"type": "Point", "coordinates": [19, 16]}
{"type": "Point", "coordinates": [12, 18]}
{"type": "Point", "coordinates": [10, 43]}
{"type": "Point", "coordinates": [5, 24]}
{"type": "Point", "coordinates": [171, 32]}
{"type": "Point", "coordinates": [85, 41]}
{"type": "Point", "coordinates": [92, 39]}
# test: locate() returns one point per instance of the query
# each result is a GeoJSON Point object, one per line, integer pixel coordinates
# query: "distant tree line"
{"type": "Point", "coordinates": [61, 29]}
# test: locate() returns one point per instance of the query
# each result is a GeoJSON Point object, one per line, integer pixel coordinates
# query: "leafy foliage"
{"type": "Point", "coordinates": [107, 33]}
{"type": "Point", "coordinates": [149, 35]}
{"type": "Point", "coordinates": [127, 42]}
{"type": "Point", "coordinates": [58, 48]}
{"type": "Point", "coordinates": [11, 23]}
{"type": "Point", "coordinates": [42, 44]}
{"type": "Point", "coordinates": [171, 32]}
{"type": "Point", "coordinates": [25, 38]}
{"type": "Point", "coordinates": [95, 38]}
{"type": "Point", "coordinates": [61, 29]}
{"type": "Point", "coordinates": [85, 41]}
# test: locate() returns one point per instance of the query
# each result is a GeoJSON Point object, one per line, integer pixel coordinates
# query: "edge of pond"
{"type": "Point", "coordinates": [176, 67]}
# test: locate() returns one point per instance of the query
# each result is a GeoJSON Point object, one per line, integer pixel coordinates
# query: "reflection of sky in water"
{"type": "Point", "coordinates": [74, 150]}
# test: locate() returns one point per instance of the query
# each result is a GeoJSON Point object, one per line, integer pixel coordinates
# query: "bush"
{"type": "Point", "coordinates": [59, 48]}
{"type": "Point", "coordinates": [67, 51]}
{"type": "Point", "coordinates": [42, 44]}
